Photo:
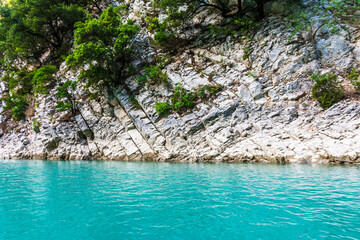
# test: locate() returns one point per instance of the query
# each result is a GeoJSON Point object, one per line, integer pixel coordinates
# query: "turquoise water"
{"type": "Point", "coordinates": [119, 200]}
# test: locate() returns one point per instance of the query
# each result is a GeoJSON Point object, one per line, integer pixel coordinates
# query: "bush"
{"type": "Point", "coordinates": [23, 84]}
{"type": "Point", "coordinates": [183, 99]}
{"type": "Point", "coordinates": [20, 88]}
{"type": "Point", "coordinates": [330, 13]}
{"type": "Point", "coordinates": [36, 125]}
{"type": "Point", "coordinates": [65, 92]}
{"type": "Point", "coordinates": [327, 90]}
{"type": "Point", "coordinates": [355, 79]}
{"type": "Point", "coordinates": [154, 74]}
{"type": "Point", "coordinates": [209, 91]}
{"type": "Point", "coordinates": [17, 104]}
{"type": "Point", "coordinates": [19, 80]}
{"type": "Point", "coordinates": [162, 108]}
{"type": "Point", "coordinates": [42, 77]}
{"type": "Point", "coordinates": [242, 25]}
{"type": "Point", "coordinates": [163, 38]}
{"type": "Point", "coordinates": [163, 34]}
{"type": "Point", "coordinates": [225, 7]}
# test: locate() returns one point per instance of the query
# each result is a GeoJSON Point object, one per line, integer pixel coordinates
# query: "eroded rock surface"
{"type": "Point", "coordinates": [264, 113]}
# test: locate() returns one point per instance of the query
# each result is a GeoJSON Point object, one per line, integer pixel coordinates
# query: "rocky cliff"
{"type": "Point", "coordinates": [265, 111]}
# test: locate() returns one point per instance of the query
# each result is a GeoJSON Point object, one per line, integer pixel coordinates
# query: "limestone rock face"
{"type": "Point", "coordinates": [279, 7]}
{"type": "Point", "coordinates": [357, 51]}
{"type": "Point", "coordinates": [336, 50]}
{"type": "Point", "coordinates": [265, 111]}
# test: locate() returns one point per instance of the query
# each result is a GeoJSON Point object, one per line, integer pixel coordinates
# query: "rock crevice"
{"type": "Point", "coordinates": [265, 111]}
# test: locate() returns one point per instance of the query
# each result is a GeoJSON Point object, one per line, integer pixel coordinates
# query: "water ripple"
{"type": "Point", "coordinates": [116, 200]}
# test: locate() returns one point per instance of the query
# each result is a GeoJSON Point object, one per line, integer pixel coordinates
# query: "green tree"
{"type": "Point", "coordinates": [38, 31]}
{"type": "Point", "coordinates": [170, 32]}
{"type": "Point", "coordinates": [24, 84]}
{"type": "Point", "coordinates": [103, 48]}
{"type": "Point", "coordinates": [43, 77]}
{"type": "Point", "coordinates": [20, 88]}
{"type": "Point", "coordinates": [65, 93]}
{"type": "Point", "coordinates": [330, 16]}
{"type": "Point", "coordinates": [227, 8]}
{"type": "Point", "coordinates": [34, 34]}
{"type": "Point", "coordinates": [17, 104]}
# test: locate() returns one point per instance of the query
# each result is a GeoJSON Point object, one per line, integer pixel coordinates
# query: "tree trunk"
{"type": "Point", "coordinates": [239, 5]}
{"type": "Point", "coordinates": [260, 8]}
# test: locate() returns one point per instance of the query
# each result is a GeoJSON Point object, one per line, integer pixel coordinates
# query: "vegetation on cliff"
{"type": "Point", "coordinates": [34, 36]}
{"type": "Point", "coordinates": [97, 40]}
{"type": "Point", "coordinates": [102, 48]}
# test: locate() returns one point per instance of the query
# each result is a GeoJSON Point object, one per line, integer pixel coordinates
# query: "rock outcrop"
{"type": "Point", "coordinates": [265, 111]}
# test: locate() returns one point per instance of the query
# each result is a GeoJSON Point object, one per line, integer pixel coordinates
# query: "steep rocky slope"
{"type": "Point", "coordinates": [265, 111]}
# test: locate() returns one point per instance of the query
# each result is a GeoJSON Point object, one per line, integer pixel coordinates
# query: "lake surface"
{"type": "Point", "coordinates": [120, 200]}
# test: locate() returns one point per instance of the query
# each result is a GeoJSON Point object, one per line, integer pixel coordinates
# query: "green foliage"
{"type": "Point", "coordinates": [131, 71]}
{"type": "Point", "coordinates": [186, 9]}
{"type": "Point", "coordinates": [103, 48]}
{"type": "Point", "coordinates": [65, 92]}
{"type": "Point", "coordinates": [63, 106]}
{"type": "Point", "coordinates": [331, 14]}
{"type": "Point", "coordinates": [243, 25]}
{"type": "Point", "coordinates": [354, 76]}
{"type": "Point", "coordinates": [42, 77]}
{"type": "Point", "coordinates": [342, 8]}
{"type": "Point", "coordinates": [23, 84]}
{"type": "Point", "coordinates": [327, 90]}
{"type": "Point", "coordinates": [36, 125]}
{"type": "Point", "coordinates": [154, 73]}
{"type": "Point", "coordinates": [37, 33]}
{"type": "Point", "coordinates": [163, 108]}
{"type": "Point", "coordinates": [31, 30]}
{"type": "Point", "coordinates": [162, 30]}
{"type": "Point", "coordinates": [19, 80]}
{"type": "Point", "coordinates": [241, 17]}
{"type": "Point", "coordinates": [299, 21]}
{"type": "Point", "coordinates": [247, 52]}
{"type": "Point", "coordinates": [20, 87]}
{"type": "Point", "coordinates": [135, 102]}
{"type": "Point", "coordinates": [19, 107]}
{"type": "Point", "coordinates": [34, 34]}
{"type": "Point", "coordinates": [240, 21]}
{"type": "Point", "coordinates": [163, 38]}
{"type": "Point", "coordinates": [208, 91]}
{"type": "Point", "coordinates": [154, 24]}
{"type": "Point", "coordinates": [17, 104]}
{"type": "Point", "coordinates": [151, 72]}
{"type": "Point", "coordinates": [183, 99]}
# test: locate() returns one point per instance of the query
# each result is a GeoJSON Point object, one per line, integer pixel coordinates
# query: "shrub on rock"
{"type": "Point", "coordinates": [327, 90]}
